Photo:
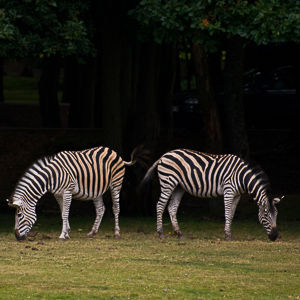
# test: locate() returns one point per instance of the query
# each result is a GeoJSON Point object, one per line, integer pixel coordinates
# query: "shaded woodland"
{"type": "Point", "coordinates": [123, 61]}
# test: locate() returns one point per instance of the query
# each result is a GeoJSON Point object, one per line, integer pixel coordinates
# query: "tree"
{"type": "Point", "coordinates": [221, 23]}
{"type": "Point", "coordinates": [49, 29]}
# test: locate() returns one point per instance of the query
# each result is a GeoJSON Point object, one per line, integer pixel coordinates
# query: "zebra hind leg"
{"type": "Point", "coordinates": [160, 208]}
{"type": "Point", "coordinates": [230, 203]}
{"type": "Point", "coordinates": [100, 209]}
{"type": "Point", "coordinates": [115, 195]}
{"type": "Point", "coordinates": [173, 208]}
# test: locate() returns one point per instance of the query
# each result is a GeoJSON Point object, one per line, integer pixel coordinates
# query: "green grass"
{"type": "Point", "coordinates": [140, 266]}
{"type": "Point", "coordinates": [20, 89]}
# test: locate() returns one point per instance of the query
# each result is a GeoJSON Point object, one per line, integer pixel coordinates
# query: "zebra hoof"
{"type": "Point", "coordinates": [117, 237]}
{"type": "Point", "coordinates": [90, 236]}
{"type": "Point", "coordinates": [181, 236]}
{"type": "Point", "coordinates": [162, 236]}
{"type": "Point", "coordinates": [62, 239]}
{"type": "Point", "coordinates": [228, 238]}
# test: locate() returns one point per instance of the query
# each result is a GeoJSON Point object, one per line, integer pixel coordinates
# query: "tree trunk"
{"type": "Point", "coordinates": [48, 88]}
{"type": "Point", "coordinates": [111, 59]}
{"type": "Point", "coordinates": [236, 136]}
{"type": "Point", "coordinates": [145, 126]}
{"type": "Point", "coordinates": [147, 123]}
{"type": "Point", "coordinates": [1, 80]}
{"type": "Point", "coordinates": [71, 79]}
{"type": "Point", "coordinates": [28, 68]}
{"type": "Point", "coordinates": [79, 90]}
{"type": "Point", "coordinates": [166, 86]}
{"type": "Point", "coordinates": [127, 98]}
{"type": "Point", "coordinates": [213, 135]}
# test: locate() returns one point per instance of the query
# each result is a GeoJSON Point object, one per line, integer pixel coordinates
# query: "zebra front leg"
{"type": "Point", "coordinates": [59, 199]}
{"type": "Point", "coordinates": [66, 203]}
{"type": "Point", "coordinates": [100, 209]}
{"type": "Point", "coordinates": [173, 208]}
{"type": "Point", "coordinates": [115, 194]}
{"type": "Point", "coordinates": [230, 204]}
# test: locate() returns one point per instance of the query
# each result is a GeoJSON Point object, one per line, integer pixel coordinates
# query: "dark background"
{"type": "Point", "coordinates": [275, 148]}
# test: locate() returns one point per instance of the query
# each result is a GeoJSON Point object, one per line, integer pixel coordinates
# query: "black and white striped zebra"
{"type": "Point", "coordinates": [207, 176]}
{"type": "Point", "coordinates": [83, 175]}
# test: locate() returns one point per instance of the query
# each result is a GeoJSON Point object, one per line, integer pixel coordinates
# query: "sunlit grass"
{"type": "Point", "coordinates": [141, 266]}
{"type": "Point", "coordinates": [20, 89]}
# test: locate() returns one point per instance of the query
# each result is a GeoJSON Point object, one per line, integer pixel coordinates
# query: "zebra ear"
{"type": "Point", "coordinates": [16, 204]}
{"type": "Point", "coordinates": [277, 200]}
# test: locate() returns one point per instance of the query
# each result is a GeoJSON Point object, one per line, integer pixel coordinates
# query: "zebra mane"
{"type": "Point", "coordinates": [43, 161]}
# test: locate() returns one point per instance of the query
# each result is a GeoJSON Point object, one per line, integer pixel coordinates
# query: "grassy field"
{"type": "Point", "coordinates": [140, 266]}
{"type": "Point", "coordinates": [20, 89]}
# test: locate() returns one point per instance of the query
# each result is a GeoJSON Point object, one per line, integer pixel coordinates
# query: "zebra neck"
{"type": "Point", "coordinates": [256, 191]}
{"type": "Point", "coordinates": [250, 184]}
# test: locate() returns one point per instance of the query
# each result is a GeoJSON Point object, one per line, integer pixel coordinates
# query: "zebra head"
{"type": "Point", "coordinates": [25, 218]}
{"type": "Point", "coordinates": [267, 215]}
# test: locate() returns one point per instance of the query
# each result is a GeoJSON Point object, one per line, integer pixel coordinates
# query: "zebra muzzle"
{"type": "Point", "coordinates": [273, 234]}
{"type": "Point", "coordinates": [20, 237]}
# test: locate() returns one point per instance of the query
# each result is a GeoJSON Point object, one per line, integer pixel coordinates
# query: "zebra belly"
{"type": "Point", "coordinates": [86, 195]}
{"type": "Point", "coordinates": [206, 191]}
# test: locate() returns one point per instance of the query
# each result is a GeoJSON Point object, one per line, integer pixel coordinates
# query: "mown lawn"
{"type": "Point", "coordinates": [140, 266]}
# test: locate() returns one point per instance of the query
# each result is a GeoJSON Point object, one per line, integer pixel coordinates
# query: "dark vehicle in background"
{"type": "Point", "coordinates": [270, 100]}
{"type": "Point", "coordinates": [270, 97]}
{"type": "Point", "coordinates": [186, 110]}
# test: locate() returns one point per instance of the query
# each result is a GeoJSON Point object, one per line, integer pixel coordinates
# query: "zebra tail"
{"type": "Point", "coordinates": [140, 155]}
{"type": "Point", "coordinates": [147, 178]}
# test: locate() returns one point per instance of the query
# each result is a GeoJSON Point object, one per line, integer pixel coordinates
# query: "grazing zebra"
{"type": "Point", "coordinates": [207, 176]}
{"type": "Point", "coordinates": [82, 175]}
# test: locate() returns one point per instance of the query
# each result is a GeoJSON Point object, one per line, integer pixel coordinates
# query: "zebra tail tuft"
{"type": "Point", "coordinates": [144, 185]}
{"type": "Point", "coordinates": [140, 155]}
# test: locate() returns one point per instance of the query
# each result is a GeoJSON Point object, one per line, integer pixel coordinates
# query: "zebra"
{"type": "Point", "coordinates": [82, 175]}
{"type": "Point", "coordinates": [207, 176]}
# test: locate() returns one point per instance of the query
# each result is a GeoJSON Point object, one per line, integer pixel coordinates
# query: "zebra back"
{"type": "Point", "coordinates": [200, 174]}
{"type": "Point", "coordinates": [93, 170]}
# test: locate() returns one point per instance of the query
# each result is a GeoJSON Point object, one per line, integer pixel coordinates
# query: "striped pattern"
{"type": "Point", "coordinates": [82, 175]}
{"type": "Point", "coordinates": [207, 176]}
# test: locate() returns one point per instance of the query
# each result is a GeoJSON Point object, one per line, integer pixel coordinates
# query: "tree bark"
{"type": "Point", "coordinates": [111, 59]}
{"type": "Point", "coordinates": [213, 134]}
{"type": "Point", "coordinates": [145, 126]}
{"type": "Point", "coordinates": [79, 90]}
{"type": "Point", "coordinates": [127, 95]}
{"type": "Point", "coordinates": [166, 86]}
{"type": "Point", "coordinates": [71, 79]}
{"type": "Point", "coordinates": [147, 123]}
{"type": "Point", "coordinates": [236, 136]}
{"type": "Point", "coordinates": [48, 88]}
{"type": "Point", "coordinates": [28, 68]}
{"type": "Point", "coordinates": [1, 80]}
